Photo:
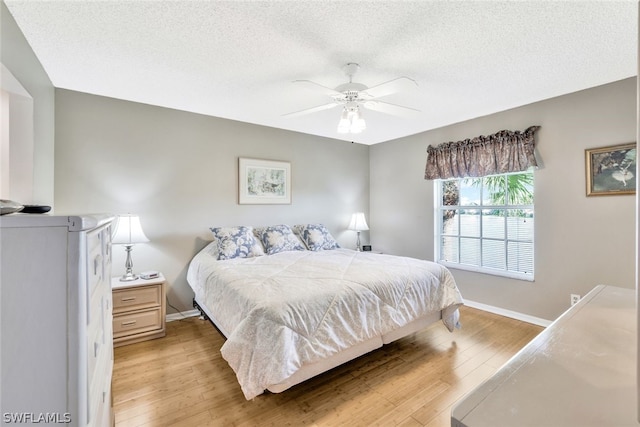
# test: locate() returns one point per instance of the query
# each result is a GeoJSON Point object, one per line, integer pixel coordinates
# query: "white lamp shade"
{"type": "Point", "coordinates": [128, 231]}
{"type": "Point", "coordinates": [358, 222]}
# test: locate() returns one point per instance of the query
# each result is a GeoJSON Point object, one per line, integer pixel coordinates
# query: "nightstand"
{"type": "Point", "coordinates": [139, 310]}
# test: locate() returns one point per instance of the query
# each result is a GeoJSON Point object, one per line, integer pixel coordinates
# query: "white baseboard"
{"type": "Point", "coordinates": [182, 315]}
{"type": "Point", "coordinates": [508, 313]}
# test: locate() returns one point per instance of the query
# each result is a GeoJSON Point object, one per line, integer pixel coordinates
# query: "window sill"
{"type": "Point", "coordinates": [489, 271]}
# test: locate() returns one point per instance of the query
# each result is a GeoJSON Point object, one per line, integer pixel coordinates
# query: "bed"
{"type": "Point", "coordinates": [291, 314]}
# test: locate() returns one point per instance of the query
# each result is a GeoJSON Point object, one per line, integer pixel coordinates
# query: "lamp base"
{"type": "Point", "coordinates": [128, 277]}
{"type": "Point", "coordinates": [128, 265]}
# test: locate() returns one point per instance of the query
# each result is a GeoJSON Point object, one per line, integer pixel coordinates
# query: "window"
{"type": "Point", "coordinates": [486, 224]}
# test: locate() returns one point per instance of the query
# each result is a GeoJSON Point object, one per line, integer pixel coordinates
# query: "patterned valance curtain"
{"type": "Point", "coordinates": [502, 152]}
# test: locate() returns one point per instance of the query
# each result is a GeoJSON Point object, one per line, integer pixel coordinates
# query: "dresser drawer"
{"type": "Point", "coordinates": [95, 349]}
{"type": "Point", "coordinates": [99, 398]}
{"type": "Point", "coordinates": [98, 259]}
{"type": "Point", "coordinates": [95, 308]}
{"type": "Point", "coordinates": [99, 339]}
{"type": "Point", "coordinates": [137, 298]}
{"type": "Point", "coordinates": [95, 269]}
{"type": "Point", "coordinates": [101, 408]}
{"type": "Point", "coordinates": [137, 322]}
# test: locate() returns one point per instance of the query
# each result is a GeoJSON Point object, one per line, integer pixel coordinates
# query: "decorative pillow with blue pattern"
{"type": "Point", "coordinates": [278, 238]}
{"type": "Point", "coordinates": [316, 237]}
{"type": "Point", "coordinates": [236, 242]}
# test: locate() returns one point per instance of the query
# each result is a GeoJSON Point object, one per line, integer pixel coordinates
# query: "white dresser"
{"type": "Point", "coordinates": [56, 352]}
{"type": "Point", "coordinates": [580, 371]}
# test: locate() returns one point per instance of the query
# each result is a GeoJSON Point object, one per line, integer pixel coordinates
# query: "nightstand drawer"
{"type": "Point", "coordinates": [134, 323]}
{"type": "Point", "coordinates": [137, 298]}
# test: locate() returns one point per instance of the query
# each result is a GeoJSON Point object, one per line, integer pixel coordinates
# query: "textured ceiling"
{"type": "Point", "coordinates": [237, 59]}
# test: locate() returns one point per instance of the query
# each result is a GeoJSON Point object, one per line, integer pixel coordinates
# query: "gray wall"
{"type": "Point", "coordinates": [178, 171]}
{"type": "Point", "coordinates": [17, 56]}
{"type": "Point", "coordinates": [580, 241]}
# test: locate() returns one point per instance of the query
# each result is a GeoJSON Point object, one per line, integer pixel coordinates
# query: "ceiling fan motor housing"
{"type": "Point", "coordinates": [349, 94]}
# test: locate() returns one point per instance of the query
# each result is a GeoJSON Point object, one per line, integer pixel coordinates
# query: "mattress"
{"type": "Point", "coordinates": [293, 309]}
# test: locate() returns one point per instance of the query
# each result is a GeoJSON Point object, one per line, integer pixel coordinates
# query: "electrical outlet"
{"type": "Point", "coordinates": [575, 298]}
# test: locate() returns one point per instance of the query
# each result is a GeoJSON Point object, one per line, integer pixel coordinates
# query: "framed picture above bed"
{"type": "Point", "coordinates": [264, 182]}
{"type": "Point", "coordinates": [611, 170]}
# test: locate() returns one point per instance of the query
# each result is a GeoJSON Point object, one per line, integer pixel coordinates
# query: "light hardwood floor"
{"type": "Point", "coordinates": [181, 380]}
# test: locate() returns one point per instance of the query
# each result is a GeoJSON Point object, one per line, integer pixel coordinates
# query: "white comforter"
{"type": "Point", "coordinates": [282, 311]}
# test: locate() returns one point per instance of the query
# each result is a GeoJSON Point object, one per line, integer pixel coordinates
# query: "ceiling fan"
{"type": "Point", "coordinates": [351, 96]}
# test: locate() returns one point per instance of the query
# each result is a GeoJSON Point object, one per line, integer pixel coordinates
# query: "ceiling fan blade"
{"type": "Point", "coordinates": [311, 110]}
{"type": "Point", "coordinates": [393, 109]}
{"type": "Point", "coordinates": [317, 87]}
{"type": "Point", "coordinates": [392, 86]}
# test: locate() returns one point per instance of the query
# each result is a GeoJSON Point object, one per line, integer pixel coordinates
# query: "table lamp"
{"type": "Point", "coordinates": [128, 232]}
{"type": "Point", "coordinates": [358, 223]}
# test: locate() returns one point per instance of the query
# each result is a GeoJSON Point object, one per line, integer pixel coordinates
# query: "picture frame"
{"type": "Point", "coordinates": [264, 182]}
{"type": "Point", "coordinates": [611, 170]}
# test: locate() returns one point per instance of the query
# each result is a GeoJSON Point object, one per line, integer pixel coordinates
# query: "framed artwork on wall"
{"type": "Point", "coordinates": [611, 170]}
{"type": "Point", "coordinates": [264, 182]}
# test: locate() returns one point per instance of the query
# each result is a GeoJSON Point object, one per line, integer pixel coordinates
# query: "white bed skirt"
{"type": "Point", "coordinates": [311, 370]}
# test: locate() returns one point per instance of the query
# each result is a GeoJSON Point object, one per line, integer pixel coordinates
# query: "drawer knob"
{"type": "Point", "coordinates": [129, 323]}
{"type": "Point", "coordinates": [128, 299]}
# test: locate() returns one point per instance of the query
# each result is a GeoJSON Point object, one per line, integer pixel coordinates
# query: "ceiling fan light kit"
{"type": "Point", "coordinates": [354, 95]}
{"type": "Point", "coordinates": [351, 120]}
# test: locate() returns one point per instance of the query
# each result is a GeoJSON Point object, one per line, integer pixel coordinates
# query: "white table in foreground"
{"type": "Point", "coordinates": [580, 371]}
